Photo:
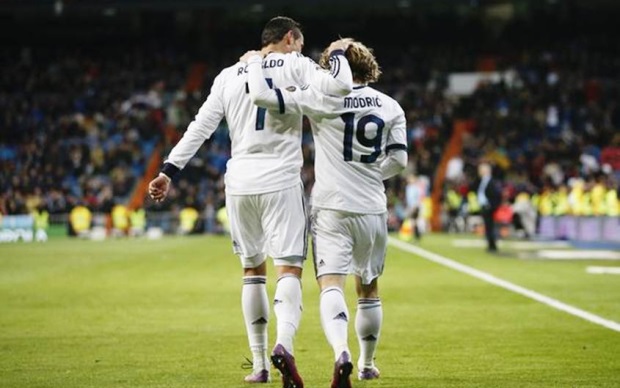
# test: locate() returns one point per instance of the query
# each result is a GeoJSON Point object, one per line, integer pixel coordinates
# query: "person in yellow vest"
{"type": "Point", "coordinates": [426, 213]}
{"type": "Point", "coordinates": [120, 220]}
{"type": "Point", "coordinates": [545, 202]}
{"type": "Point", "coordinates": [575, 198]}
{"type": "Point", "coordinates": [41, 223]}
{"type": "Point", "coordinates": [586, 204]}
{"type": "Point", "coordinates": [473, 220]}
{"type": "Point", "coordinates": [553, 196]}
{"type": "Point", "coordinates": [561, 207]}
{"type": "Point", "coordinates": [598, 198]}
{"type": "Point", "coordinates": [222, 218]}
{"type": "Point", "coordinates": [80, 220]}
{"type": "Point", "coordinates": [453, 202]}
{"type": "Point", "coordinates": [611, 201]}
{"type": "Point", "coordinates": [187, 220]}
{"type": "Point", "coordinates": [473, 207]}
{"type": "Point", "coordinates": [137, 221]}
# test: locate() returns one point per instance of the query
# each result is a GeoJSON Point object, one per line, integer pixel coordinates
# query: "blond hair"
{"type": "Point", "coordinates": [361, 59]}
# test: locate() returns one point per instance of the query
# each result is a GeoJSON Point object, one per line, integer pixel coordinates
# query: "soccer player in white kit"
{"type": "Point", "coordinates": [360, 140]}
{"type": "Point", "coordinates": [264, 193]}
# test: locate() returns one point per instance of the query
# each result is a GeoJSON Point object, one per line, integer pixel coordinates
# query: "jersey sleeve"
{"type": "Point", "coordinates": [205, 123]}
{"type": "Point", "coordinates": [336, 82]}
{"type": "Point", "coordinates": [396, 147]}
{"type": "Point", "coordinates": [397, 136]}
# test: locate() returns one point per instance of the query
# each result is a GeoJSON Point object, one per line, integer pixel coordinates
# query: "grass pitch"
{"type": "Point", "coordinates": [166, 313]}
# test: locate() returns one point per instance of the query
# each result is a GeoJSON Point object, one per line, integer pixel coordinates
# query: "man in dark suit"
{"type": "Point", "coordinates": [489, 198]}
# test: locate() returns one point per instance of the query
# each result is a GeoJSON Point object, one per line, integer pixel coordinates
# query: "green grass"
{"type": "Point", "coordinates": [138, 313]}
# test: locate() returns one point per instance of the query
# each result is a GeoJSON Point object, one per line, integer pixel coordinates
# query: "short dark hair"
{"type": "Point", "coordinates": [276, 28]}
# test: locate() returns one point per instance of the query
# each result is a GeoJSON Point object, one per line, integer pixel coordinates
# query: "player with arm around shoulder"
{"type": "Point", "coordinates": [360, 140]}
{"type": "Point", "coordinates": [264, 193]}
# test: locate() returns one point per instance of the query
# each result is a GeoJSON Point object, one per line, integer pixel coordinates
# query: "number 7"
{"type": "Point", "coordinates": [260, 112]}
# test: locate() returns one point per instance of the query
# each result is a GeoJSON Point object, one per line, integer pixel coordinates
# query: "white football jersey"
{"type": "Point", "coordinates": [266, 146]}
{"type": "Point", "coordinates": [352, 136]}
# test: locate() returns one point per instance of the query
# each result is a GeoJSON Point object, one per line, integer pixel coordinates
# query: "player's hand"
{"type": "Point", "coordinates": [340, 44]}
{"type": "Point", "coordinates": [246, 57]}
{"type": "Point", "coordinates": [158, 188]}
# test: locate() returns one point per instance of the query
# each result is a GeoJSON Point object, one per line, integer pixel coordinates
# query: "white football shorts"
{"type": "Point", "coordinates": [349, 243]}
{"type": "Point", "coordinates": [270, 224]}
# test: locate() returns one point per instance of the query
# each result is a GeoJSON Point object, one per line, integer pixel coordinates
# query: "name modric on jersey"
{"type": "Point", "coordinates": [363, 102]}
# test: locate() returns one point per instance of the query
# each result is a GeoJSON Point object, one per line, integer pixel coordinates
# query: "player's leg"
{"type": "Point", "coordinates": [285, 226]}
{"type": "Point", "coordinates": [368, 321]}
{"type": "Point", "coordinates": [335, 321]}
{"type": "Point", "coordinates": [246, 234]}
{"type": "Point", "coordinates": [332, 256]}
{"type": "Point", "coordinates": [334, 312]}
{"type": "Point", "coordinates": [368, 262]}
{"type": "Point", "coordinates": [255, 307]}
{"type": "Point", "coordinates": [287, 302]}
{"type": "Point", "coordinates": [489, 229]}
{"type": "Point", "coordinates": [287, 308]}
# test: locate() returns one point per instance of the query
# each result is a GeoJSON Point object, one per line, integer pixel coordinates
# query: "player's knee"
{"type": "Point", "coordinates": [287, 270]}
{"type": "Point", "coordinates": [327, 281]}
{"type": "Point", "coordinates": [286, 266]}
{"type": "Point", "coordinates": [367, 290]}
{"type": "Point", "coordinates": [256, 270]}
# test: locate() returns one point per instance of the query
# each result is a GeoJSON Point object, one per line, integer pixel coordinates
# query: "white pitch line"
{"type": "Point", "coordinates": [556, 304]}
{"type": "Point", "coordinates": [573, 254]}
{"type": "Point", "coordinates": [603, 270]}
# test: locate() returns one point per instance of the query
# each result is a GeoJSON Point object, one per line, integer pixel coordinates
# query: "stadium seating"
{"type": "Point", "coordinates": [78, 126]}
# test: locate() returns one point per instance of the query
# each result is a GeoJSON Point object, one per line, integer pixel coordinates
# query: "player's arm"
{"type": "Point", "coordinates": [260, 93]}
{"type": "Point", "coordinates": [205, 123]}
{"type": "Point", "coordinates": [296, 100]}
{"type": "Point", "coordinates": [396, 148]}
{"type": "Point", "coordinates": [338, 81]}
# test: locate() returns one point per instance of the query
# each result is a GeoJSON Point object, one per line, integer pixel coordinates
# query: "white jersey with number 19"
{"type": "Point", "coordinates": [352, 136]}
{"type": "Point", "coordinates": [266, 146]}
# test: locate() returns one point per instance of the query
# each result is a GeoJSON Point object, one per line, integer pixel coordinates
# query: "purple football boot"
{"type": "Point", "coordinates": [342, 371]}
{"type": "Point", "coordinates": [285, 363]}
{"type": "Point", "coordinates": [258, 377]}
{"type": "Point", "coordinates": [368, 373]}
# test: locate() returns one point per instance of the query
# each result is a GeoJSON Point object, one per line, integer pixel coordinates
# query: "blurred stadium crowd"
{"type": "Point", "coordinates": [79, 125]}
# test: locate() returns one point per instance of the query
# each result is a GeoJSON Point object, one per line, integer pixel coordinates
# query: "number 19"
{"type": "Point", "coordinates": [360, 135]}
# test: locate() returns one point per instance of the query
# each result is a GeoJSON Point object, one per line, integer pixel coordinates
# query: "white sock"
{"type": "Point", "coordinates": [335, 319]}
{"type": "Point", "coordinates": [368, 328]}
{"type": "Point", "coordinates": [287, 305]}
{"type": "Point", "coordinates": [255, 305]}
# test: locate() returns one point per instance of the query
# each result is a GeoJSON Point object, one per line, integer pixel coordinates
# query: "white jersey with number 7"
{"type": "Point", "coordinates": [266, 146]}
